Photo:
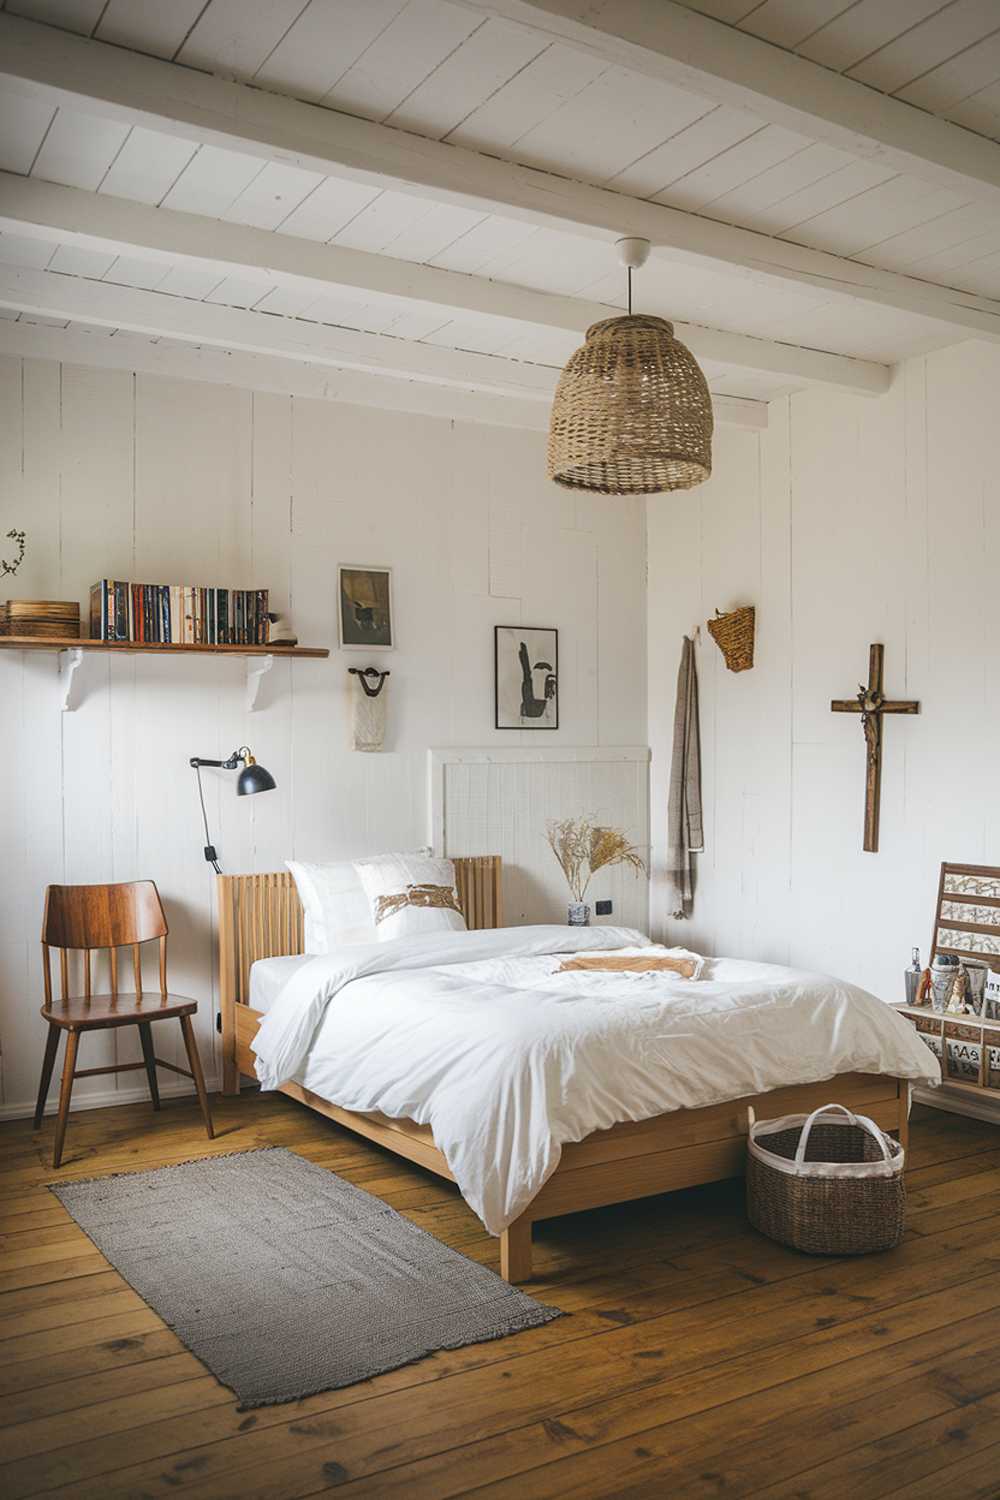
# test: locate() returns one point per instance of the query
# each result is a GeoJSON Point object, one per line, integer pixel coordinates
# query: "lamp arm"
{"type": "Point", "coordinates": [240, 757]}
{"type": "Point", "coordinates": [237, 758]}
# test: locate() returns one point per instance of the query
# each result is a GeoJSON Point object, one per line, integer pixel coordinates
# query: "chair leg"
{"type": "Point", "coordinates": [65, 1094]}
{"type": "Point", "coordinates": [190, 1042]}
{"type": "Point", "coordinates": [48, 1063]}
{"type": "Point", "coordinates": [149, 1057]}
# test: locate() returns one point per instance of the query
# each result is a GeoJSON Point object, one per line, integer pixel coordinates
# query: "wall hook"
{"type": "Point", "coordinates": [372, 680]}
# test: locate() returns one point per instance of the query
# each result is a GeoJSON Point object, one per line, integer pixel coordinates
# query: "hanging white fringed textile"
{"type": "Point", "coordinates": [368, 715]}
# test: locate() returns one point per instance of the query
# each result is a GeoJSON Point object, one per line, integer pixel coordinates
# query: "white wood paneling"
{"type": "Point", "coordinates": [608, 125]}
{"type": "Point", "coordinates": [148, 25]}
{"type": "Point", "coordinates": [413, 45]}
{"type": "Point", "coordinates": [531, 96]}
{"type": "Point", "coordinates": [911, 485]}
{"type": "Point", "coordinates": [272, 196]}
{"type": "Point", "coordinates": [499, 801]}
{"type": "Point", "coordinates": [72, 15]}
{"type": "Point", "coordinates": [323, 43]}
{"type": "Point", "coordinates": [326, 210]}
{"type": "Point", "coordinates": [494, 53]}
{"type": "Point", "coordinates": [212, 181]}
{"type": "Point", "coordinates": [919, 48]}
{"type": "Point", "coordinates": [156, 478]}
{"type": "Point", "coordinates": [23, 123]}
{"type": "Point", "coordinates": [234, 37]}
{"type": "Point", "coordinates": [751, 158]}
{"type": "Point", "coordinates": [710, 135]}
{"type": "Point", "coordinates": [78, 149]}
{"type": "Point", "coordinates": [789, 22]}
{"type": "Point", "coordinates": [147, 165]}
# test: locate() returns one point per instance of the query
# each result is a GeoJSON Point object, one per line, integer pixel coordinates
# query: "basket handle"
{"type": "Point", "coordinates": [862, 1120]}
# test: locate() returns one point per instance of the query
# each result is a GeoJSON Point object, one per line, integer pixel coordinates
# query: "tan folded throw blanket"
{"type": "Point", "coordinates": [685, 836]}
{"type": "Point", "coordinates": [685, 967]}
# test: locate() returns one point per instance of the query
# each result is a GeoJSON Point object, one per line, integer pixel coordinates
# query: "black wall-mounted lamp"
{"type": "Point", "coordinates": [252, 778]}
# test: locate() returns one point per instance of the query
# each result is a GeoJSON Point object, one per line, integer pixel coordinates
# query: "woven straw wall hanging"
{"type": "Point", "coordinates": [632, 413]}
{"type": "Point", "coordinates": [733, 633]}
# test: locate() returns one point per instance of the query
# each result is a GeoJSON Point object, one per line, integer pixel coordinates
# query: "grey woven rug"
{"type": "Point", "coordinates": [283, 1278]}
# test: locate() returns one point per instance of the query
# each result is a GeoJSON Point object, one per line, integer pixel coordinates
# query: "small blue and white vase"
{"type": "Point", "coordinates": [579, 914]}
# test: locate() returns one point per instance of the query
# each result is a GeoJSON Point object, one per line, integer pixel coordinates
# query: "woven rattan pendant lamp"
{"type": "Point", "coordinates": [632, 414]}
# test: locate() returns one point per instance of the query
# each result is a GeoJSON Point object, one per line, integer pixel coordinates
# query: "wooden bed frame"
{"type": "Point", "coordinates": [260, 917]}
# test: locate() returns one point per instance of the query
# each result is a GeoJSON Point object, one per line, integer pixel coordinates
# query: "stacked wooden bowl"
{"type": "Point", "coordinates": [40, 617]}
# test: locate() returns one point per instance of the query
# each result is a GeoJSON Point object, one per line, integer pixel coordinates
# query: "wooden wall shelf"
{"type": "Point", "coordinates": [150, 648]}
{"type": "Point", "coordinates": [71, 650]}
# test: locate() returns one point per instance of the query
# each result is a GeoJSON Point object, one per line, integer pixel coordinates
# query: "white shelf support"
{"type": "Point", "coordinates": [69, 664]}
{"type": "Point", "coordinates": [257, 668]}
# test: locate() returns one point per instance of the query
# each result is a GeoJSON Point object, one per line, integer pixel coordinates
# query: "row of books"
{"type": "Point", "coordinates": [177, 614]}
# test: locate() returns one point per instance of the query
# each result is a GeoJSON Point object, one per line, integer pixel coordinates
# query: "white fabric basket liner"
{"type": "Point", "coordinates": [891, 1164]}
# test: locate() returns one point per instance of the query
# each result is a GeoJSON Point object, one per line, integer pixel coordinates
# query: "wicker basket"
{"type": "Point", "coordinates": [733, 634]}
{"type": "Point", "coordinates": [848, 1198]}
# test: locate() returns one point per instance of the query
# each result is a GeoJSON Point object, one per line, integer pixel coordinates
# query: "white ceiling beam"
{"type": "Point", "coordinates": [288, 377]}
{"type": "Point", "coordinates": [667, 41]}
{"type": "Point", "coordinates": [95, 221]}
{"type": "Point", "coordinates": [53, 295]}
{"type": "Point", "coordinates": [99, 79]}
{"type": "Point", "coordinates": [263, 372]}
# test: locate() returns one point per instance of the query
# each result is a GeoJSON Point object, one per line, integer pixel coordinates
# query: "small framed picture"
{"type": "Point", "coordinates": [365, 607]}
{"type": "Point", "coordinates": [526, 677]}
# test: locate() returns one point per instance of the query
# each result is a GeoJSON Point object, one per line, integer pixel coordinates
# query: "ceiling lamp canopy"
{"type": "Point", "coordinates": [632, 413]}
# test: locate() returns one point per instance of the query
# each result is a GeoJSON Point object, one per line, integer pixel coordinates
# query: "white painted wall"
{"type": "Point", "coordinates": [848, 521]}
{"type": "Point", "coordinates": [140, 476]}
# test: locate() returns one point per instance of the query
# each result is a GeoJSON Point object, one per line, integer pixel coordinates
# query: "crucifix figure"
{"type": "Point", "coordinates": [871, 705]}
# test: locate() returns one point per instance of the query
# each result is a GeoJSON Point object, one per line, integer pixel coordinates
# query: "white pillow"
{"type": "Point", "coordinates": [336, 910]}
{"type": "Point", "coordinates": [411, 894]}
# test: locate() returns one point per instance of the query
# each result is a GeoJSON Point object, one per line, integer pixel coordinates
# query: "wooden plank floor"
{"type": "Point", "coordinates": [699, 1360]}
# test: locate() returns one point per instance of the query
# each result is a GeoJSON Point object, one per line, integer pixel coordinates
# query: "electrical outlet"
{"type": "Point", "coordinates": [603, 908]}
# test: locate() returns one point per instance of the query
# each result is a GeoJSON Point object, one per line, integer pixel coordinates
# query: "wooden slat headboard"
{"type": "Point", "coordinates": [260, 916]}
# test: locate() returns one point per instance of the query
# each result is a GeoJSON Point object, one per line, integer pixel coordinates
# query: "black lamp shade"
{"type": "Point", "coordinates": [254, 778]}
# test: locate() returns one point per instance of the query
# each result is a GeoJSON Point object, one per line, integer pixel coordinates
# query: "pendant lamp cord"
{"type": "Point", "coordinates": [629, 270]}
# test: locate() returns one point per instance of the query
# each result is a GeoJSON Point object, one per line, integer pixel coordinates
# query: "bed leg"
{"type": "Point", "coordinates": [230, 1076]}
{"type": "Point", "coordinates": [515, 1251]}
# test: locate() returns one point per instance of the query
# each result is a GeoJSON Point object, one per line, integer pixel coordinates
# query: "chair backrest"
{"type": "Point", "coordinates": [89, 917]}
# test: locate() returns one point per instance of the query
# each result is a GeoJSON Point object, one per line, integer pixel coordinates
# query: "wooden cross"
{"type": "Point", "coordinates": [871, 705]}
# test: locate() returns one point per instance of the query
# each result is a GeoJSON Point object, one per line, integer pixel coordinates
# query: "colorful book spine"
{"type": "Point", "coordinates": [177, 614]}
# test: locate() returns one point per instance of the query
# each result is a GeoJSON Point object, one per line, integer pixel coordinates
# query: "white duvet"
{"type": "Point", "coordinates": [479, 1036]}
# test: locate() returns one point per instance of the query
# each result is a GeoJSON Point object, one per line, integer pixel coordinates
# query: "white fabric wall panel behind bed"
{"type": "Point", "coordinates": [497, 801]}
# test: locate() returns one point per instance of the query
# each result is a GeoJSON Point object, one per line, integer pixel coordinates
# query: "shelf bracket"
{"type": "Point", "coordinates": [69, 664]}
{"type": "Point", "coordinates": [257, 668]}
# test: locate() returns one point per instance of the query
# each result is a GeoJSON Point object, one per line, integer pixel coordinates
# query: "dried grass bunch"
{"type": "Point", "coordinates": [582, 848]}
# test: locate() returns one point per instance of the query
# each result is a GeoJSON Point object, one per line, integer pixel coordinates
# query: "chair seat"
{"type": "Point", "coordinates": [80, 1012]}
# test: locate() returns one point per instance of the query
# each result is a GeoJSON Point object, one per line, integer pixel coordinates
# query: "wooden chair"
{"type": "Point", "coordinates": [90, 917]}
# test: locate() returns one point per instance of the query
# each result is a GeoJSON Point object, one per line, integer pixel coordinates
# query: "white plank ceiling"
{"type": "Point", "coordinates": [444, 70]}
{"type": "Point", "coordinates": [941, 55]}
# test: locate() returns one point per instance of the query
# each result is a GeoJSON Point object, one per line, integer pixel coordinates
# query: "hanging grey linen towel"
{"type": "Point", "coordinates": [685, 835]}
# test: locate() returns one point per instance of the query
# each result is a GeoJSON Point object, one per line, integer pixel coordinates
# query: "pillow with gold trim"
{"type": "Point", "coordinates": [410, 894]}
